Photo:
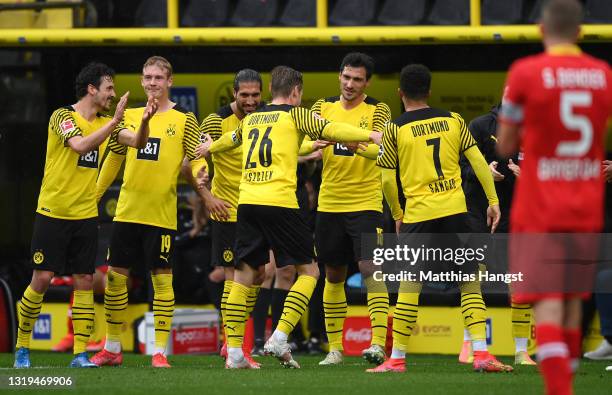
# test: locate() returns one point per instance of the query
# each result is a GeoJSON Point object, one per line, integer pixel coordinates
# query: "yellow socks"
{"type": "Point", "coordinates": [335, 310]}
{"type": "Point", "coordinates": [251, 300]}
{"type": "Point", "coordinates": [235, 313]}
{"type": "Point", "coordinates": [115, 306]}
{"type": "Point", "coordinates": [163, 309]}
{"type": "Point", "coordinates": [28, 311]}
{"type": "Point", "coordinates": [82, 319]}
{"type": "Point", "coordinates": [296, 303]}
{"type": "Point", "coordinates": [378, 309]}
{"type": "Point", "coordinates": [404, 317]}
{"type": "Point", "coordinates": [521, 325]}
{"type": "Point", "coordinates": [474, 314]}
{"type": "Point", "coordinates": [227, 288]}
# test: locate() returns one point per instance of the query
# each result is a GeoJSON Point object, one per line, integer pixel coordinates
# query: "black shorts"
{"type": "Point", "coordinates": [440, 233]}
{"type": "Point", "coordinates": [137, 244]}
{"type": "Point", "coordinates": [338, 236]}
{"type": "Point", "coordinates": [261, 228]}
{"type": "Point", "coordinates": [64, 246]}
{"type": "Point", "coordinates": [223, 242]}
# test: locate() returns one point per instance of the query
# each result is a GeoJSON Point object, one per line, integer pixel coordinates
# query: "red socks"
{"type": "Point", "coordinates": [553, 358]}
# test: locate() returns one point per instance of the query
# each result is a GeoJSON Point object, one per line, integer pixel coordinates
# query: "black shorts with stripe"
{"type": "Point", "coordinates": [64, 246]}
{"type": "Point", "coordinates": [338, 236]}
{"type": "Point", "coordinates": [283, 230]}
{"type": "Point", "coordinates": [134, 244]}
{"type": "Point", "coordinates": [223, 242]}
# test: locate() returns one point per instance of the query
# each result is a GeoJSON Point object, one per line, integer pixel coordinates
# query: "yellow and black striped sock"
{"type": "Point", "coordinates": [405, 314]}
{"type": "Point", "coordinates": [227, 288]}
{"type": "Point", "coordinates": [82, 319]}
{"type": "Point", "coordinates": [335, 310]}
{"type": "Point", "coordinates": [521, 320]}
{"type": "Point", "coordinates": [378, 309]}
{"type": "Point", "coordinates": [235, 313]}
{"type": "Point", "coordinates": [473, 310]}
{"type": "Point", "coordinates": [251, 300]}
{"type": "Point", "coordinates": [296, 303]}
{"type": "Point", "coordinates": [115, 305]}
{"type": "Point", "coordinates": [28, 310]}
{"type": "Point", "coordinates": [163, 309]}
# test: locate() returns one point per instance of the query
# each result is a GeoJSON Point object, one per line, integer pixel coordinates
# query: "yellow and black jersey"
{"type": "Point", "coordinates": [148, 192]}
{"type": "Point", "coordinates": [69, 181]}
{"type": "Point", "coordinates": [426, 145]}
{"type": "Point", "coordinates": [271, 138]}
{"type": "Point", "coordinates": [351, 182]}
{"type": "Point", "coordinates": [228, 164]}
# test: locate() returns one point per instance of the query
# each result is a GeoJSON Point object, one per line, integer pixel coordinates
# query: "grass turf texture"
{"type": "Point", "coordinates": [205, 374]}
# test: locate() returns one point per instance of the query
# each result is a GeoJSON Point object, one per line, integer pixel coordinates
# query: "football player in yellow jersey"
{"type": "Point", "coordinates": [223, 203]}
{"type": "Point", "coordinates": [425, 144]}
{"type": "Point", "coordinates": [350, 203]}
{"type": "Point", "coordinates": [145, 219]}
{"type": "Point", "coordinates": [268, 216]}
{"type": "Point", "coordinates": [65, 235]}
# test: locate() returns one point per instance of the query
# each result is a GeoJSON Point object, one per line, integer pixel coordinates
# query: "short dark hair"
{"type": "Point", "coordinates": [283, 80]}
{"type": "Point", "coordinates": [358, 59]}
{"type": "Point", "coordinates": [415, 81]}
{"type": "Point", "coordinates": [562, 18]}
{"type": "Point", "coordinates": [91, 74]}
{"type": "Point", "coordinates": [247, 75]}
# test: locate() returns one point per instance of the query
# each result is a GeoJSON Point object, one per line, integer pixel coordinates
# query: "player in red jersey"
{"type": "Point", "coordinates": [555, 108]}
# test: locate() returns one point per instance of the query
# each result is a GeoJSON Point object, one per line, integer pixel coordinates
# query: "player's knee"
{"type": "Point", "coordinates": [40, 280]}
{"type": "Point", "coordinates": [311, 269]}
{"type": "Point", "coordinates": [335, 274]}
{"type": "Point", "coordinates": [83, 281]}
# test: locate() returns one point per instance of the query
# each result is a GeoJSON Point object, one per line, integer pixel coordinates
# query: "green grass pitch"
{"type": "Point", "coordinates": [205, 375]}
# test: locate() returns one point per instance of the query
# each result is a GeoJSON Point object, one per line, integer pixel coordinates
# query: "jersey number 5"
{"type": "Point", "coordinates": [575, 122]}
{"type": "Point", "coordinates": [265, 148]}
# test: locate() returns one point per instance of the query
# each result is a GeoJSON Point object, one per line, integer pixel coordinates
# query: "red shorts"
{"type": "Point", "coordinates": [553, 265]}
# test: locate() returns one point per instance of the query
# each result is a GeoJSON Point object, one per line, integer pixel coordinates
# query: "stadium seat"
{"type": "Point", "coordinates": [251, 13]}
{"type": "Point", "coordinates": [402, 12]}
{"type": "Point", "coordinates": [299, 13]}
{"type": "Point", "coordinates": [598, 11]}
{"type": "Point", "coordinates": [151, 13]}
{"type": "Point", "coordinates": [450, 12]}
{"type": "Point", "coordinates": [202, 13]}
{"type": "Point", "coordinates": [353, 13]}
{"type": "Point", "coordinates": [508, 12]}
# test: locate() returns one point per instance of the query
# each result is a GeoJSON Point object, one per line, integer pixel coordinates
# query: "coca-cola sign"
{"type": "Point", "coordinates": [357, 335]}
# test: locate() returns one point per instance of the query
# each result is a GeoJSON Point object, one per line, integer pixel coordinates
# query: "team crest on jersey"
{"type": "Point", "coordinates": [67, 127]}
{"type": "Point", "coordinates": [171, 131]}
{"type": "Point", "coordinates": [228, 255]}
{"type": "Point", "coordinates": [38, 257]}
{"type": "Point", "coordinates": [363, 122]}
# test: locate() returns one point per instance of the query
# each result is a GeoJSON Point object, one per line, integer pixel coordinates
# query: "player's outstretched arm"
{"type": "Point", "coordinates": [83, 145]}
{"type": "Point", "coordinates": [483, 173]}
{"type": "Point", "coordinates": [390, 191]}
{"type": "Point", "coordinates": [108, 173]}
{"type": "Point", "coordinates": [369, 151]}
{"type": "Point", "coordinates": [139, 139]}
{"type": "Point", "coordinates": [225, 143]}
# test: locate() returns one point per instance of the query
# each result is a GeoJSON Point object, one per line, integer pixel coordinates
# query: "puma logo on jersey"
{"type": "Point", "coordinates": [164, 258]}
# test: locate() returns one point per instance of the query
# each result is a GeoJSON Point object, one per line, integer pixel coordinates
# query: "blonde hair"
{"type": "Point", "coordinates": [160, 62]}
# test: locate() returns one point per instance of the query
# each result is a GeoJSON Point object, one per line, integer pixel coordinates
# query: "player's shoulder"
{"type": "Point", "coordinates": [224, 112]}
{"type": "Point", "coordinates": [422, 114]}
{"type": "Point", "coordinates": [63, 111]}
{"type": "Point", "coordinates": [276, 107]}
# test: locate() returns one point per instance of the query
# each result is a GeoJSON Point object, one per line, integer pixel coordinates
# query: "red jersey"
{"type": "Point", "coordinates": [562, 99]}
